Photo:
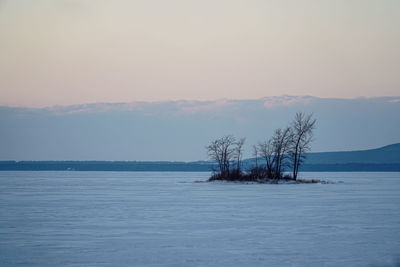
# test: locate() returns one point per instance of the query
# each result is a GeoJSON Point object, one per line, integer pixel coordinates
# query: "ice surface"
{"type": "Point", "coordinates": [165, 219]}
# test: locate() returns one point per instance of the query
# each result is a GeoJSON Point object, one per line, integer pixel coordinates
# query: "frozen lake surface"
{"type": "Point", "coordinates": [165, 219]}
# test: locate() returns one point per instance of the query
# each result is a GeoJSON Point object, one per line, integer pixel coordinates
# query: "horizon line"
{"type": "Point", "coordinates": [182, 161]}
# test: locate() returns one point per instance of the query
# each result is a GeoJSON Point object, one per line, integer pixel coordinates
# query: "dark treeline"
{"type": "Point", "coordinates": [103, 166]}
{"type": "Point", "coordinates": [178, 166]}
{"type": "Point", "coordinates": [284, 150]}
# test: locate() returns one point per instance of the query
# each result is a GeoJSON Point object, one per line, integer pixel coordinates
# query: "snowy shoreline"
{"type": "Point", "coordinates": [270, 181]}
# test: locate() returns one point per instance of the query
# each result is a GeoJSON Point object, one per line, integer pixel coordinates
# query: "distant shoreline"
{"type": "Point", "coordinates": [174, 166]}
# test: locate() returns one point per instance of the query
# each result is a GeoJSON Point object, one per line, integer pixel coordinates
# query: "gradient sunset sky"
{"type": "Point", "coordinates": [83, 51]}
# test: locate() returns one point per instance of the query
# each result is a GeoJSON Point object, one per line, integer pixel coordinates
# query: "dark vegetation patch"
{"type": "Point", "coordinates": [250, 177]}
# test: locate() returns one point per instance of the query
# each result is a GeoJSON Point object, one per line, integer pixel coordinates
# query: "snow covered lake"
{"type": "Point", "coordinates": [165, 219]}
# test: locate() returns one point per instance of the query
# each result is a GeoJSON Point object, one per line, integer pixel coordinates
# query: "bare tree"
{"type": "Point", "coordinates": [239, 152]}
{"type": "Point", "coordinates": [222, 151]}
{"type": "Point", "coordinates": [302, 128]}
{"type": "Point", "coordinates": [287, 147]}
{"type": "Point", "coordinates": [214, 153]}
{"type": "Point", "coordinates": [267, 152]}
{"type": "Point", "coordinates": [281, 141]}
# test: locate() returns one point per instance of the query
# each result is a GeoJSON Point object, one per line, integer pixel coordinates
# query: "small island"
{"type": "Point", "coordinates": [285, 150]}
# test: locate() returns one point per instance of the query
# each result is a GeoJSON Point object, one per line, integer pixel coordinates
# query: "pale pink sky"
{"type": "Point", "coordinates": [80, 51]}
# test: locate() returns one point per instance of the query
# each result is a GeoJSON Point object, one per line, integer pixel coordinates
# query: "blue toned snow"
{"type": "Point", "coordinates": [165, 219]}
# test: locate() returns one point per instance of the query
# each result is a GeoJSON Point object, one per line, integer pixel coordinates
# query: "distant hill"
{"type": "Point", "coordinates": [383, 158]}
{"type": "Point", "coordinates": [386, 158]}
{"type": "Point", "coordinates": [385, 155]}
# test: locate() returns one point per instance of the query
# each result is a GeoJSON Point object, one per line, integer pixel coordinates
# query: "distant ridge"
{"type": "Point", "coordinates": [386, 158]}
{"type": "Point", "coordinates": [387, 155]}
{"type": "Point", "coordinates": [384, 155]}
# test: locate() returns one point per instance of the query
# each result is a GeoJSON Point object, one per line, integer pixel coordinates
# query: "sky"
{"type": "Point", "coordinates": [85, 51]}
